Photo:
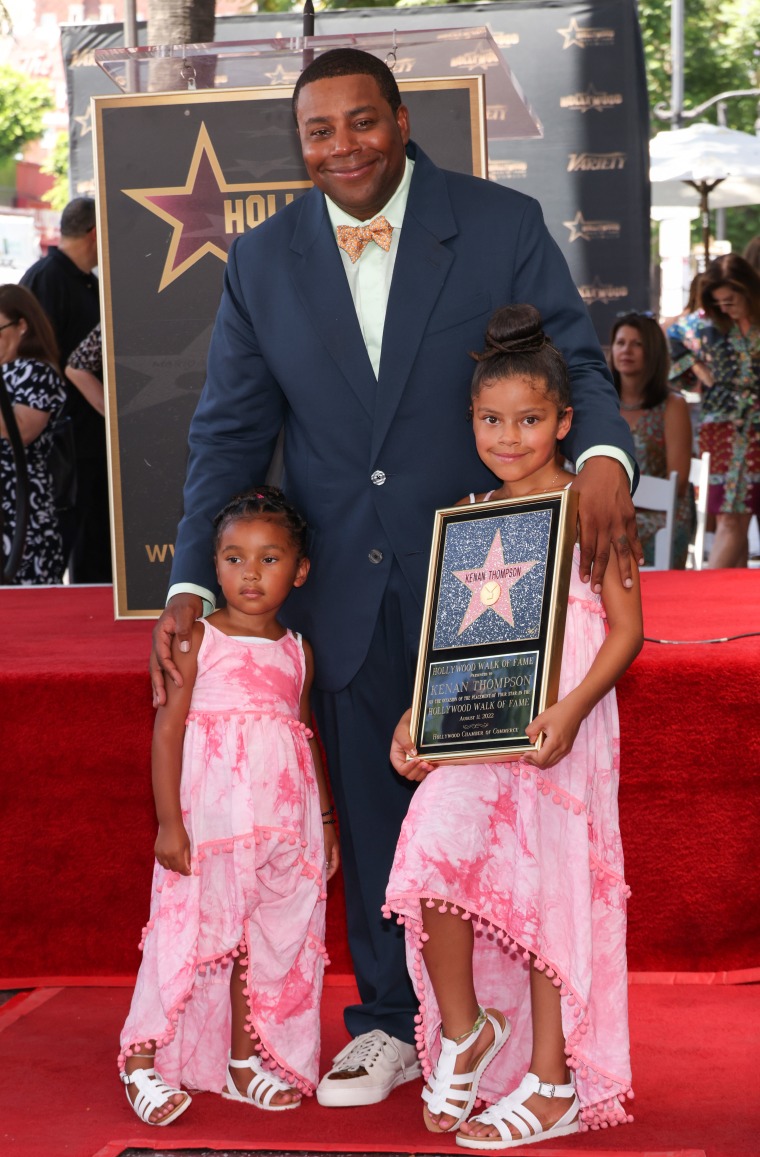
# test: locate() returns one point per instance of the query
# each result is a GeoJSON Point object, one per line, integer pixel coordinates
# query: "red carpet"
{"type": "Point", "coordinates": [76, 822]}
{"type": "Point", "coordinates": [696, 1052]}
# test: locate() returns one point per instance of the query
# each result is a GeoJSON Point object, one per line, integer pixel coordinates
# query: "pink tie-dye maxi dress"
{"type": "Point", "coordinates": [250, 804]}
{"type": "Point", "coordinates": [534, 859]}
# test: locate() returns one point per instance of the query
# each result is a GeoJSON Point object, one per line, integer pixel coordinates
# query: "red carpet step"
{"type": "Point", "coordinates": [76, 814]}
{"type": "Point", "coordinates": [695, 1051]}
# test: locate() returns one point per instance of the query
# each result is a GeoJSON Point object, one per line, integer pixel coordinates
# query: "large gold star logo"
{"type": "Point", "coordinates": [203, 215]}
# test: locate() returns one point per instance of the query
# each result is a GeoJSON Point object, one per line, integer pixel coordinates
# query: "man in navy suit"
{"type": "Point", "coordinates": [361, 354]}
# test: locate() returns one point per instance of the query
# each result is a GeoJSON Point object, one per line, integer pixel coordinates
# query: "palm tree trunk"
{"type": "Point", "coordinates": [178, 22]}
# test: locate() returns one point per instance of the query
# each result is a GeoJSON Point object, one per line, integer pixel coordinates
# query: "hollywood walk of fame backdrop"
{"type": "Point", "coordinates": [494, 620]}
{"type": "Point", "coordinates": [180, 175]}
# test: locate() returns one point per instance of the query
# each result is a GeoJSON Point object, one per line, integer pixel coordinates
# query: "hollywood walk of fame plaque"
{"type": "Point", "coordinates": [493, 626]}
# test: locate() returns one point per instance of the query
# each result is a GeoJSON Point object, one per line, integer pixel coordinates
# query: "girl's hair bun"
{"type": "Point", "coordinates": [515, 345]}
{"type": "Point", "coordinates": [513, 329]}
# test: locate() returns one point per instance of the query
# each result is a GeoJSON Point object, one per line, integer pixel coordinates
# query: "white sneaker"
{"type": "Point", "coordinates": [376, 1062]}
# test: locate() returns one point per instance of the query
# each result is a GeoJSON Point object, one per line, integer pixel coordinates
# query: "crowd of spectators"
{"type": "Point", "coordinates": [53, 371]}
{"type": "Point", "coordinates": [716, 349]}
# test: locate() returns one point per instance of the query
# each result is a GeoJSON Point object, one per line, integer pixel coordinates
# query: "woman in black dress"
{"type": "Point", "coordinates": [29, 362]}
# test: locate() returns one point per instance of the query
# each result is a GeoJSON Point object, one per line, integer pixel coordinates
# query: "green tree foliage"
{"type": "Point", "coordinates": [721, 47]}
{"type": "Point", "coordinates": [23, 104]}
{"type": "Point", "coordinates": [57, 166]}
{"type": "Point", "coordinates": [721, 54]}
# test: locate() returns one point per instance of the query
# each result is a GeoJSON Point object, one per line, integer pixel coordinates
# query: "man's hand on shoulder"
{"type": "Point", "coordinates": [607, 519]}
{"type": "Point", "coordinates": [177, 618]}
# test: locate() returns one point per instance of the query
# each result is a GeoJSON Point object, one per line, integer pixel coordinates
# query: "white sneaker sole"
{"type": "Point", "coordinates": [340, 1095]}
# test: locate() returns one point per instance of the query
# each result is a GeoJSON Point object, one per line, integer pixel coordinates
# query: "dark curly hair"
{"type": "Point", "coordinates": [730, 272]}
{"type": "Point", "coordinates": [263, 502]}
{"type": "Point", "coordinates": [516, 346]}
{"type": "Point", "coordinates": [348, 62]}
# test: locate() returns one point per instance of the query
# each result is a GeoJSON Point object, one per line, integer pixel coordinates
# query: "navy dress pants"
{"type": "Point", "coordinates": [356, 726]}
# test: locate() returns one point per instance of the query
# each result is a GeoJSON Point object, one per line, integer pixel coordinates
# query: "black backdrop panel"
{"type": "Point", "coordinates": [580, 64]}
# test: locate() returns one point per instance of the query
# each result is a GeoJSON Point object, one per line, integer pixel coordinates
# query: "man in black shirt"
{"type": "Point", "coordinates": [67, 289]}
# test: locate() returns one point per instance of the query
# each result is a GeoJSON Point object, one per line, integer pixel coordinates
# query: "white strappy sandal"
{"type": "Point", "coordinates": [153, 1093]}
{"type": "Point", "coordinates": [262, 1088]}
{"type": "Point", "coordinates": [454, 1093]}
{"type": "Point", "coordinates": [511, 1110]}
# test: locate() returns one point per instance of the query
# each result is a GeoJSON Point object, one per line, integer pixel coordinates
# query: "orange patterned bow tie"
{"type": "Point", "coordinates": [355, 238]}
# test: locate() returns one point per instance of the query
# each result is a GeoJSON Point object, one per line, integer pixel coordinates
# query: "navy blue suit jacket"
{"type": "Point", "coordinates": [287, 350]}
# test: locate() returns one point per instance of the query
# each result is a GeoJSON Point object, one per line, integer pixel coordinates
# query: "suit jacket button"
{"type": "Point", "coordinates": [378, 477]}
{"type": "Point", "coordinates": [375, 556]}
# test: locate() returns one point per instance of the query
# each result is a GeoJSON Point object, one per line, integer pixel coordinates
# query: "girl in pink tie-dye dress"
{"type": "Point", "coordinates": [509, 876]}
{"type": "Point", "coordinates": [228, 993]}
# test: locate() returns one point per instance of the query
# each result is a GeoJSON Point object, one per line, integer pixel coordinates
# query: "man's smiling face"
{"type": "Point", "coordinates": [353, 143]}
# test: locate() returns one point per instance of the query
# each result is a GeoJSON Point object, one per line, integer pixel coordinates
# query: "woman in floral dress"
{"type": "Point", "coordinates": [659, 422]}
{"type": "Point", "coordinates": [723, 349]}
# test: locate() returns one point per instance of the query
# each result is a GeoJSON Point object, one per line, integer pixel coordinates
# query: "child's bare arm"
{"type": "Point", "coordinates": [332, 849]}
{"type": "Point", "coordinates": [622, 644]}
{"type": "Point", "coordinates": [172, 846]}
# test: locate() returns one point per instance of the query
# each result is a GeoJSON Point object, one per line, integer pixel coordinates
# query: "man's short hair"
{"type": "Point", "coordinates": [349, 62]}
{"type": "Point", "coordinates": [78, 217]}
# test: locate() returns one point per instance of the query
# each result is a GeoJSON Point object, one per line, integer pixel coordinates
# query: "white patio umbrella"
{"type": "Point", "coordinates": [706, 164]}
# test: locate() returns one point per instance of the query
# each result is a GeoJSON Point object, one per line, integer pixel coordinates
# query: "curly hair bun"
{"type": "Point", "coordinates": [515, 345]}
{"type": "Point", "coordinates": [514, 329]}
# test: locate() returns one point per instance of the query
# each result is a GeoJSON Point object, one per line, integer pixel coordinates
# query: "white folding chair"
{"type": "Point", "coordinates": [754, 542]}
{"type": "Point", "coordinates": [659, 494]}
{"type": "Point", "coordinates": [699, 476]}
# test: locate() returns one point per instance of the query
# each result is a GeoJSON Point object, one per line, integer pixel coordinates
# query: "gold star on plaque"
{"type": "Point", "coordinates": [490, 583]}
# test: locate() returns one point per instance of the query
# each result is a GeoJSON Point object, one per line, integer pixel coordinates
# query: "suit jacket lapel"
{"type": "Point", "coordinates": [321, 285]}
{"type": "Point", "coordinates": [422, 266]}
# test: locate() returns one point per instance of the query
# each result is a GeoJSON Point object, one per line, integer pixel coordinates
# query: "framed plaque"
{"type": "Point", "coordinates": [493, 626]}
